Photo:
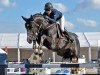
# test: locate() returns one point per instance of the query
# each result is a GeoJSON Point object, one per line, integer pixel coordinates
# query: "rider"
{"type": "Point", "coordinates": [55, 16]}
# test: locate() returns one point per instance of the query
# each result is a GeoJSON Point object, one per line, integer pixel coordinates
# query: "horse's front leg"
{"type": "Point", "coordinates": [34, 47]}
{"type": "Point", "coordinates": [42, 40]}
{"type": "Point", "coordinates": [41, 44]}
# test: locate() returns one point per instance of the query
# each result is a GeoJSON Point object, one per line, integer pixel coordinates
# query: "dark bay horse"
{"type": "Point", "coordinates": [39, 30]}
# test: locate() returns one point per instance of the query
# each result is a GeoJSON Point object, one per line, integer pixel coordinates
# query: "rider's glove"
{"type": "Point", "coordinates": [46, 17]}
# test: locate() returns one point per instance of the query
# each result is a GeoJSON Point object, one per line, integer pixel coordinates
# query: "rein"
{"type": "Point", "coordinates": [37, 25]}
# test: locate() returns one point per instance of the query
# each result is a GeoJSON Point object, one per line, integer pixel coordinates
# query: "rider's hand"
{"type": "Point", "coordinates": [46, 17]}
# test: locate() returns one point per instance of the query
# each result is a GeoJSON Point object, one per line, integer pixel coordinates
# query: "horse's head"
{"type": "Point", "coordinates": [33, 25]}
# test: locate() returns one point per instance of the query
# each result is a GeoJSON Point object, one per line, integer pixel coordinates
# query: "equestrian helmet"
{"type": "Point", "coordinates": [48, 6]}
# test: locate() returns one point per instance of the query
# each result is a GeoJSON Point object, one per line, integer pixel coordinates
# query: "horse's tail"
{"type": "Point", "coordinates": [76, 42]}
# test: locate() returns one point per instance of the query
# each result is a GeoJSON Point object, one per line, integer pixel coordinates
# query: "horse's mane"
{"type": "Point", "coordinates": [37, 14]}
{"type": "Point", "coordinates": [34, 16]}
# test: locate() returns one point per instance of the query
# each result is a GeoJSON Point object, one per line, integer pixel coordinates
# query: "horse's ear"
{"type": "Point", "coordinates": [31, 17]}
{"type": "Point", "coordinates": [25, 19]}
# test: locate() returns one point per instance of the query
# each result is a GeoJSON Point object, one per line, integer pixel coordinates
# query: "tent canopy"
{"type": "Point", "coordinates": [15, 40]}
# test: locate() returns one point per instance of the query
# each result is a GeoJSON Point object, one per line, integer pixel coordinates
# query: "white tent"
{"type": "Point", "coordinates": [2, 51]}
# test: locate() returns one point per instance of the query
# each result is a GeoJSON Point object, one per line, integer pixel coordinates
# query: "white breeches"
{"type": "Point", "coordinates": [62, 22]}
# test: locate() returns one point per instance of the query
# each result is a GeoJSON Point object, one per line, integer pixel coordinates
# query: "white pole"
{"type": "Point", "coordinates": [18, 49]}
{"type": "Point", "coordinates": [18, 55]}
{"type": "Point", "coordinates": [53, 56]}
{"type": "Point", "coordinates": [89, 52]}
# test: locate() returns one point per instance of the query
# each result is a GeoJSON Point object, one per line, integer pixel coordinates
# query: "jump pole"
{"type": "Point", "coordinates": [68, 65]}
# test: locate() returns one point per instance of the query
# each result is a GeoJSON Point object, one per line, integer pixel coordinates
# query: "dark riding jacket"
{"type": "Point", "coordinates": [54, 16]}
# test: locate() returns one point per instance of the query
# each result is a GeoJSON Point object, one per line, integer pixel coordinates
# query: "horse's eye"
{"type": "Point", "coordinates": [27, 26]}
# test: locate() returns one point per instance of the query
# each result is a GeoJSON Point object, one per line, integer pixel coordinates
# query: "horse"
{"type": "Point", "coordinates": [39, 30]}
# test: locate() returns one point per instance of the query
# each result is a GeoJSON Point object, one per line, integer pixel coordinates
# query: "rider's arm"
{"type": "Point", "coordinates": [56, 16]}
{"type": "Point", "coordinates": [50, 19]}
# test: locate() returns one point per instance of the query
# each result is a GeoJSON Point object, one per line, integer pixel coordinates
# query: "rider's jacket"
{"type": "Point", "coordinates": [54, 16]}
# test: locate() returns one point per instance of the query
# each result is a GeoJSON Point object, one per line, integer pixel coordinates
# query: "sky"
{"type": "Point", "coordinates": [80, 15]}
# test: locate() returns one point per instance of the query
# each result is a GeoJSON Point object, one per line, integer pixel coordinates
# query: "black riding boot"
{"type": "Point", "coordinates": [67, 36]}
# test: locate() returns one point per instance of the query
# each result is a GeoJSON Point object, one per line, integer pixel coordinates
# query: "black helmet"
{"type": "Point", "coordinates": [48, 6]}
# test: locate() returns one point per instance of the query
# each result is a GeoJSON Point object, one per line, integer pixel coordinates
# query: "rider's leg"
{"type": "Point", "coordinates": [68, 36]}
{"type": "Point", "coordinates": [63, 32]}
{"type": "Point", "coordinates": [62, 23]}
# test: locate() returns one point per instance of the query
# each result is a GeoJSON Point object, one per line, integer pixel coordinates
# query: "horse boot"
{"type": "Point", "coordinates": [68, 36]}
